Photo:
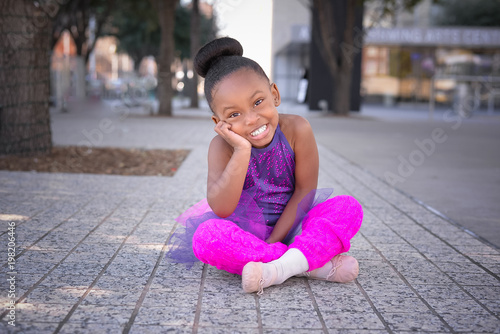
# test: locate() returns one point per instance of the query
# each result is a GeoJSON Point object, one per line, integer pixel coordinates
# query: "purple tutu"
{"type": "Point", "coordinates": [248, 216]}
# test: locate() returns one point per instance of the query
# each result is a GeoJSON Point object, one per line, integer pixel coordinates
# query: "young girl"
{"type": "Point", "coordinates": [263, 218]}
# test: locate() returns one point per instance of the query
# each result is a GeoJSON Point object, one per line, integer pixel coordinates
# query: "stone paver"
{"type": "Point", "coordinates": [90, 255]}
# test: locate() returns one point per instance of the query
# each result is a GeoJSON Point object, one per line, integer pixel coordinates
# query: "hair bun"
{"type": "Point", "coordinates": [212, 51]}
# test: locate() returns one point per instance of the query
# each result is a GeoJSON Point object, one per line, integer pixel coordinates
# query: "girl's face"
{"type": "Point", "coordinates": [247, 102]}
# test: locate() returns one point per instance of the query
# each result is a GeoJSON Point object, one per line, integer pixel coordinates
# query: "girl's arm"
{"type": "Point", "coordinates": [306, 174]}
{"type": "Point", "coordinates": [228, 159]}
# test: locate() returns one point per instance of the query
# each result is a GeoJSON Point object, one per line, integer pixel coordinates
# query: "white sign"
{"type": "Point", "coordinates": [463, 37]}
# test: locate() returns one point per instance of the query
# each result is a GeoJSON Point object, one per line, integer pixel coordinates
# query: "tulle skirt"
{"type": "Point", "coordinates": [248, 216]}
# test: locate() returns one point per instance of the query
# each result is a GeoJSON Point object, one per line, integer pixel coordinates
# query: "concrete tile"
{"type": "Point", "coordinates": [475, 279]}
{"type": "Point", "coordinates": [485, 259]}
{"type": "Point", "coordinates": [445, 291]}
{"type": "Point", "coordinates": [155, 329]}
{"type": "Point", "coordinates": [424, 322]}
{"type": "Point", "coordinates": [388, 248]}
{"type": "Point", "coordinates": [493, 305]}
{"type": "Point", "coordinates": [287, 318]}
{"type": "Point", "coordinates": [179, 270]}
{"type": "Point", "coordinates": [399, 305]}
{"type": "Point", "coordinates": [235, 300]}
{"type": "Point", "coordinates": [352, 321]}
{"type": "Point", "coordinates": [224, 317]}
{"type": "Point", "coordinates": [61, 240]}
{"type": "Point", "coordinates": [295, 331]}
{"type": "Point", "coordinates": [31, 256]}
{"type": "Point", "coordinates": [341, 303]}
{"type": "Point", "coordinates": [214, 273]}
{"type": "Point", "coordinates": [484, 292]}
{"type": "Point", "coordinates": [112, 297]}
{"type": "Point", "coordinates": [365, 254]}
{"type": "Point", "coordinates": [493, 267]}
{"type": "Point", "coordinates": [379, 280]}
{"type": "Point", "coordinates": [95, 238]}
{"type": "Point", "coordinates": [468, 323]}
{"type": "Point", "coordinates": [30, 266]}
{"type": "Point", "coordinates": [85, 328]}
{"type": "Point", "coordinates": [325, 288]}
{"type": "Point", "coordinates": [109, 282]}
{"type": "Point", "coordinates": [223, 285]}
{"type": "Point", "coordinates": [376, 269]}
{"type": "Point", "coordinates": [165, 316]}
{"type": "Point", "coordinates": [147, 238]}
{"type": "Point", "coordinates": [162, 298]}
{"type": "Point", "coordinates": [32, 313]}
{"type": "Point", "coordinates": [91, 258]}
{"type": "Point", "coordinates": [396, 257]}
{"type": "Point", "coordinates": [176, 284]}
{"type": "Point", "coordinates": [291, 301]}
{"type": "Point", "coordinates": [50, 295]}
{"type": "Point", "coordinates": [449, 306]}
{"type": "Point", "coordinates": [26, 280]}
{"type": "Point", "coordinates": [102, 314]}
{"type": "Point", "coordinates": [78, 268]}
{"type": "Point", "coordinates": [67, 281]}
{"type": "Point", "coordinates": [427, 278]}
{"type": "Point", "coordinates": [133, 266]}
{"type": "Point", "coordinates": [418, 265]}
{"type": "Point", "coordinates": [22, 327]}
{"type": "Point", "coordinates": [389, 290]}
{"type": "Point", "coordinates": [226, 329]}
{"type": "Point", "coordinates": [460, 267]}
{"type": "Point", "coordinates": [359, 331]}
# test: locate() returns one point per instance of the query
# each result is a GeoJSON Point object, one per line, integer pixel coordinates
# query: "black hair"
{"type": "Point", "coordinates": [219, 58]}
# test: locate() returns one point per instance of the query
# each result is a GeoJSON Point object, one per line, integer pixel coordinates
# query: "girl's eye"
{"type": "Point", "coordinates": [259, 101]}
{"type": "Point", "coordinates": [234, 114]}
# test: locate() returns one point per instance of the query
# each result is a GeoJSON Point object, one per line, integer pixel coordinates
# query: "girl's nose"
{"type": "Point", "coordinates": [251, 117]}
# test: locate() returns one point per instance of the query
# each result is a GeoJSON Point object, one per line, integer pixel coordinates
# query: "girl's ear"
{"type": "Point", "coordinates": [215, 119]}
{"type": "Point", "coordinates": [276, 94]}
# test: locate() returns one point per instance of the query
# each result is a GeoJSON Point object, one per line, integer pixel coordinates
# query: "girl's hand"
{"type": "Point", "coordinates": [231, 137]}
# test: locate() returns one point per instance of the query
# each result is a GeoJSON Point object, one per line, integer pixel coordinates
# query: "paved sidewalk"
{"type": "Point", "coordinates": [90, 252]}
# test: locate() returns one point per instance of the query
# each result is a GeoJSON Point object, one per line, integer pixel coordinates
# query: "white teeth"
{"type": "Point", "coordinates": [259, 131]}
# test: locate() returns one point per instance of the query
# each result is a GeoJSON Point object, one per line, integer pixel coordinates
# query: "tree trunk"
{"type": "Point", "coordinates": [166, 15]}
{"type": "Point", "coordinates": [338, 48]}
{"type": "Point", "coordinates": [25, 78]}
{"type": "Point", "coordinates": [195, 45]}
{"type": "Point", "coordinates": [342, 92]}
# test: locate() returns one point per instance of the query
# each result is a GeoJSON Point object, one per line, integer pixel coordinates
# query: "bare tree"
{"type": "Point", "coordinates": [166, 17]}
{"type": "Point", "coordinates": [74, 17]}
{"type": "Point", "coordinates": [195, 45]}
{"type": "Point", "coordinates": [25, 76]}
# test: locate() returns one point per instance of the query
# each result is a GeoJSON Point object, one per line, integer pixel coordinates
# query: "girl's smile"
{"type": "Point", "coordinates": [259, 131]}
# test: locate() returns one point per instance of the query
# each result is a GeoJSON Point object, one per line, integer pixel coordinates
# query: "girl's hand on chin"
{"type": "Point", "coordinates": [231, 137]}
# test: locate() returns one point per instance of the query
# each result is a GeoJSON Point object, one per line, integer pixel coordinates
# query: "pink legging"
{"type": "Point", "coordinates": [326, 232]}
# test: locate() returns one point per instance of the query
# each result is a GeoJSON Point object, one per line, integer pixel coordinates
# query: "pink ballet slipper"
{"type": "Point", "coordinates": [340, 269]}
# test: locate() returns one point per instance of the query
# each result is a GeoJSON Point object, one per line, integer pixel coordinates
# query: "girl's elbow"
{"type": "Point", "coordinates": [222, 213]}
{"type": "Point", "coordinates": [220, 210]}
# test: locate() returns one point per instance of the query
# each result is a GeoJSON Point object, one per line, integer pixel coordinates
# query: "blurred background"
{"type": "Point", "coordinates": [401, 52]}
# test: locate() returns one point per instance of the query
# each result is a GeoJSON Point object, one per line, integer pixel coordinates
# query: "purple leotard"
{"type": "Point", "coordinates": [271, 177]}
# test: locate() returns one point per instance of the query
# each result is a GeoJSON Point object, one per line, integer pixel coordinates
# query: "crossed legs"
{"type": "Point", "coordinates": [326, 233]}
